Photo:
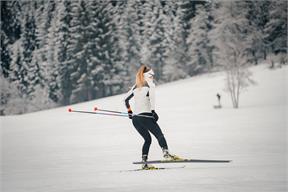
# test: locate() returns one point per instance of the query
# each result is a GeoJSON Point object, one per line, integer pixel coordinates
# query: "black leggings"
{"type": "Point", "coordinates": [145, 124]}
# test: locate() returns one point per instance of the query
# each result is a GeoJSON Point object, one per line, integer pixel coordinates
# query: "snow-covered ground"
{"type": "Point", "coordinates": [57, 151]}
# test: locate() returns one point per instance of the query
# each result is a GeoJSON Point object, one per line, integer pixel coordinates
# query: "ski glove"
{"type": "Point", "coordinates": [154, 114]}
{"type": "Point", "coordinates": [130, 113]}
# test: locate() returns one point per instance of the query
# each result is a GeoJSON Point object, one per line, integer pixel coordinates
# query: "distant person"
{"type": "Point", "coordinates": [144, 117]}
{"type": "Point", "coordinates": [219, 101]}
{"type": "Point", "coordinates": [219, 98]}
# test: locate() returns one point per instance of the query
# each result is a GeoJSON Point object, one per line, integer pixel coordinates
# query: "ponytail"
{"type": "Point", "coordinates": [140, 81]}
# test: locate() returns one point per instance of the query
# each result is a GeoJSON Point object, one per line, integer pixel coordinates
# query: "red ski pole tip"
{"type": "Point", "coordinates": [95, 108]}
{"type": "Point", "coordinates": [70, 110]}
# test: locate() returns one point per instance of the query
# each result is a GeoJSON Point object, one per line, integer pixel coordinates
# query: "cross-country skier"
{"type": "Point", "coordinates": [144, 117]}
{"type": "Point", "coordinates": [219, 100]}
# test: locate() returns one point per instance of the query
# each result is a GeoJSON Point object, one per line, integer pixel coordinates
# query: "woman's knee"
{"type": "Point", "coordinates": [160, 137]}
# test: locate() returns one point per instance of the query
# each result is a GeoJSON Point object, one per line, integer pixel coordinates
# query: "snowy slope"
{"type": "Point", "coordinates": [57, 151]}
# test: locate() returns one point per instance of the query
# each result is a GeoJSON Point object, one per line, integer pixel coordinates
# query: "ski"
{"type": "Point", "coordinates": [183, 161]}
{"type": "Point", "coordinates": [154, 169]}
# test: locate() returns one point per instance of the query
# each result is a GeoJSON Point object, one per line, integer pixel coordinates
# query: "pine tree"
{"type": "Point", "coordinates": [176, 62]}
{"type": "Point", "coordinates": [36, 78]}
{"type": "Point", "coordinates": [10, 32]}
{"type": "Point", "coordinates": [18, 82]}
{"type": "Point", "coordinates": [81, 87]}
{"type": "Point", "coordinates": [61, 52]}
{"type": "Point", "coordinates": [276, 30]}
{"type": "Point", "coordinates": [4, 94]}
{"type": "Point", "coordinates": [82, 26]}
{"type": "Point", "coordinates": [189, 11]}
{"type": "Point", "coordinates": [198, 40]}
{"type": "Point", "coordinates": [44, 17]}
{"type": "Point", "coordinates": [49, 48]}
{"type": "Point", "coordinates": [6, 59]}
{"type": "Point", "coordinates": [155, 48]}
{"type": "Point", "coordinates": [29, 44]}
{"type": "Point", "coordinates": [10, 19]}
{"type": "Point", "coordinates": [110, 51]}
{"type": "Point", "coordinates": [258, 15]}
{"type": "Point", "coordinates": [11, 100]}
{"type": "Point", "coordinates": [128, 27]}
{"type": "Point", "coordinates": [96, 61]}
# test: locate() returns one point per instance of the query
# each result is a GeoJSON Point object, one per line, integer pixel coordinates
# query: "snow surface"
{"type": "Point", "coordinates": [57, 151]}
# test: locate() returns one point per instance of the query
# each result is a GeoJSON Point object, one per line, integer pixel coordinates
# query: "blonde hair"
{"type": "Point", "coordinates": [140, 81]}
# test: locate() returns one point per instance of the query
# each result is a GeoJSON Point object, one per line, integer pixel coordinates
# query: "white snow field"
{"type": "Point", "coordinates": [58, 151]}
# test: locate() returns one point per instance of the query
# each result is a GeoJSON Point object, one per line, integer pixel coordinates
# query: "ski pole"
{"type": "Point", "coordinates": [110, 111]}
{"type": "Point", "coordinates": [111, 114]}
{"type": "Point", "coordinates": [96, 113]}
{"type": "Point", "coordinates": [119, 112]}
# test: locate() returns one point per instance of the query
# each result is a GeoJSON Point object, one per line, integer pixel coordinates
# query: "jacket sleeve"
{"type": "Point", "coordinates": [128, 96]}
{"type": "Point", "coordinates": [152, 95]}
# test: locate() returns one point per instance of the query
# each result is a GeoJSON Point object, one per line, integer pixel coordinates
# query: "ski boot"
{"type": "Point", "coordinates": [147, 166]}
{"type": "Point", "coordinates": [169, 157]}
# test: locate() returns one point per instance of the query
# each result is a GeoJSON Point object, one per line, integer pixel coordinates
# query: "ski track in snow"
{"type": "Point", "coordinates": [57, 151]}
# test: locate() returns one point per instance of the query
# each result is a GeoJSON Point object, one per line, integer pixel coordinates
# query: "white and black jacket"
{"type": "Point", "coordinates": [144, 98]}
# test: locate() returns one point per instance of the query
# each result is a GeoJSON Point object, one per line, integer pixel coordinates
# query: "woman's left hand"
{"type": "Point", "coordinates": [130, 114]}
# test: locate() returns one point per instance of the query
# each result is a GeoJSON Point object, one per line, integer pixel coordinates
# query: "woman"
{"type": "Point", "coordinates": [144, 117]}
